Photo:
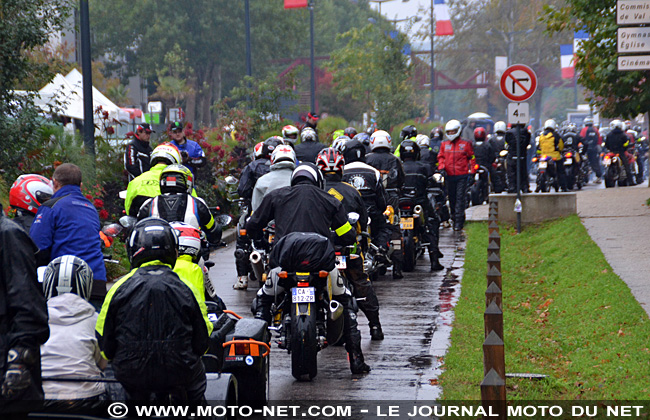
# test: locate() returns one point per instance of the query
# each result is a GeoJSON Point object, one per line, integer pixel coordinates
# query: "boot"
{"type": "Point", "coordinates": [435, 265]}
{"type": "Point", "coordinates": [397, 271]}
{"type": "Point", "coordinates": [376, 334]}
{"type": "Point", "coordinates": [241, 284]}
{"type": "Point", "coordinates": [262, 307]}
{"type": "Point", "coordinates": [352, 336]}
{"type": "Point", "coordinates": [357, 365]}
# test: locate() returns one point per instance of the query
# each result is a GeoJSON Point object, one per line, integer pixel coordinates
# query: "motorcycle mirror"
{"type": "Point", "coordinates": [353, 217]}
{"type": "Point", "coordinates": [122, 194]}
{"type": "Point", "coordinates": [231, 180]}
{"type": "Point", "coordinates": [128, 221]}
{"type": "Point", "coordinates": [528, 147]}
{"type": "Point", "coordinates": [223, 219]}
{"type": "Point", "coordinates": [112, 230]}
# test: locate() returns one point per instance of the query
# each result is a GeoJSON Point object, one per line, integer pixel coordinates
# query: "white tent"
{"type": "Point", "coordinates": [75, 78]}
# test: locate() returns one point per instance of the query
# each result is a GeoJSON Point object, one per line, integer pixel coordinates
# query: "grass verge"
{"type": "Point", "coordinates": [566, 314]}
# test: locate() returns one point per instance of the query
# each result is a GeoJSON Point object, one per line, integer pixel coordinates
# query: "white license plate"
{"type": "Point", "coordinates": [607, 162]}
{"type": "Point", "coordinates": [543, 164]}
{"type": "Point", "coordinates": [303, 294]}
{"type": "Point", "coordinates": [568, 162]}
{"type": "Point", "coordinates": [341, 262]}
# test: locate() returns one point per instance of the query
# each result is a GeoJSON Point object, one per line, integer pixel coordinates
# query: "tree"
{"type": "Point", "coordinates": [614, 93]}
{"type": "Point", "coordinates": [372, 69]}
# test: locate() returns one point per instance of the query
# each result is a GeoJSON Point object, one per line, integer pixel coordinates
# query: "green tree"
{"type": "Point", "coordinates": [614, 93]}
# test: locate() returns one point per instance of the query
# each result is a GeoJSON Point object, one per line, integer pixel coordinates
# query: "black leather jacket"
{"type": "Point", "coordinates": [349, 196]}
{"type": "Point", "coordinates": [484, 153]}
{"type": "Point", "coordinates": [249, 176]}
{"type": "Point", "coordinates": [389, 166]}
{"type": "Point", "coordinates": [617, 141]}
{"type": "Point", "coordinates": [308, 151]}
{"type": "Point", "coordinates": [137, 158]}
{"type": "Point", "coordinates": [416, 179]}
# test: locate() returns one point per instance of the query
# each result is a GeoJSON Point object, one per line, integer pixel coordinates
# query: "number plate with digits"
{"type": "Point", "coordinates": [406, 223]}
{"type": "Point", "coordinates": [543, 164]}
{"type": "Point", "coordinates": [303, 294]}
{"type": "Point", "coordinates": [568, 161]}
{"type": "Point", "coordinates": [341, 262]}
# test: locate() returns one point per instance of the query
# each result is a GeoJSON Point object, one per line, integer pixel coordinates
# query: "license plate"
{"type": "Point", "coordinates": [406, 223]}
{"type": "Point", "coordinates": [303, 294]}
{"type": "Point", "coordinates": [543, 164]}
{"type": "Point", "coordinates": [341, 262]}
{"type": "Point", "coordinates": [607, 162]}
{"type": "Point", "coordinates": [568, 162]}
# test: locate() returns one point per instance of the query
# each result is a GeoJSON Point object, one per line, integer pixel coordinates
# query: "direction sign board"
{"type": "Point", "coordinates": [633, 40]}
{"type": "Point", "coordinates": [518, 83]}
{"type": "Point", "coordinates": [632, 12]}
{"type": "Point", "coordinates": [518, 113]}
{"type": "Point", "coordinates": [634, 62]}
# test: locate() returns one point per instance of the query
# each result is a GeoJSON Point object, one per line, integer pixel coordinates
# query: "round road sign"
{"type": "Point", "coordinates": [518, 83]}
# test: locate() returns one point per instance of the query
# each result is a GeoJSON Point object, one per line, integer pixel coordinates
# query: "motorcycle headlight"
{"type": "Point", "coordinates": [438, 178]}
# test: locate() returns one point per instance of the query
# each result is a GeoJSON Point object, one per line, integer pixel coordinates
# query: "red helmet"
{"type": "Point", "coordinates": [29, 192]}
{"type": "Point", "coordinates": [480, 134]}
{"type": "Point", "coordinates": [330, 160]}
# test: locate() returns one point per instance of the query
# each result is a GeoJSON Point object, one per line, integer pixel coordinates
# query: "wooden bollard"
{"type": "Point", "coordinates": [493, 395]}
{"type": "Point", "coordinates": [494, 275]}
{"type": "Point", "coordinates": [493, 318]}
{"type": "Point", "coordinates": [494, 236]}
{"type": "Point", "coordinates": [494, 260]}
{"type": "Point", "coordinates": [493, 294]}
{"type": "Point", "coordinates": [494, 355]}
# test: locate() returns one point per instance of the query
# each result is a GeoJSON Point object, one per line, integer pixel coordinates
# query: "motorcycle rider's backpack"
{"type": "Point", "coordinates": [591, 136]}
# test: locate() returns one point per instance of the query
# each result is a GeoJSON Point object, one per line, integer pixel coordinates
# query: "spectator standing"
{"type": "Point", "coordinates": [192, 154]}
{"type": "Point", "coordinates": [138, 152]}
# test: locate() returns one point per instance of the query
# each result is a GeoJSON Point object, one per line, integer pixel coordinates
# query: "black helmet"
{"type": "Point", "coordinates": [270, 144]}
{"type": "Point", "coordinates": [176, 179]}
{"type": "Point", "coordinates": [350, 132]}
{"type": "Point", "coordinates": [67, 274]}
{"type": "Point", "coordinates": [152, 239]}
{"type": "Point", "coordinates": [409, 149]}
{"type": "Point", "coordinates": [408, 132]}
{"type": "Point", "coordinates": [363, 138]}
{"type": "Point", "coordinates": [353, 151]}
{"type": "Point", "coordinates": [309, 172]}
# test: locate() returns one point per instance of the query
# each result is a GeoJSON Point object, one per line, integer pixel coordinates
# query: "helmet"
{"type": "Point", "coordinates": [480, 134]}
{"type": "Point", "coordinates": [270, 144]}
{"type": "Point", "coordinates": [571, 128]}
{"type": "Point", "coordinates": [408, 132]}
{"type": "Point", "coordinates": [353, 151]}
{"type": "Point", "coordinates": [290, 132]}
{"type": "Point", "coordinates": [258, 149]}
{"type": "Point", "coordinates": [67, 274]}
{"type": "Point", "coordinates": [380, 139]}
{"type": "Point", "coordinates": [500, 127]}
{"type": "Point", "coordinates": [307, 171]}
{"type": "Point", "coordinates": [165, 153]}
{"type": "Point", "coordinates": [422, 140]}
{"type": "Point", "coordinates": [588, 121]}
{"type": "Point", "coordinates": [637, 128]}
{"type": "Point", "coordinates": [176, 179]}
{"type": "Point", "coordinates": [452, 129]}
{"type": "Point", "coordinates": [189, 239]}
{"type": "Point", "coordinates": [152, 239]}
{"type": "Point", "coordinates": [363, 138]}
{"type": "Point", "coordinates": [350, 132]}
{"type": "Point", "coordinates": [409, 149]}
{"type": "Point", "coordinates": [628, 124]}
{"type": "Point", "coordinates": [371, 129]}
{"type": "Point", "coordinates": [330, 160]}
{"type": "Point", "coordinates": [550, 125]}
{"type": "Point", "coordinates": [28, 192]}
{"type": "Point", "coordinates": [283, 153]}
{"type": "Point", "coordinates": [616, 123]}
{"type": "Point", "coordinates": [308, 134]}
{"type": "Point", "coordinates": [436, 132]}
{"type": "Point", "coordinates": [338, 133]}
{"type": "Point", "coordinates": [339, 142]}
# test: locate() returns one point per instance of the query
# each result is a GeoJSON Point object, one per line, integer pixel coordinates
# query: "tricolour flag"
{"type": "Point", "coordinates": [443, 22]}
{"type": "Point", "coordinates": [294, 4]}
{"type": "Point", "coordinates": [566, 59]}
{"type": "Point", "coordinates": [578, 38]}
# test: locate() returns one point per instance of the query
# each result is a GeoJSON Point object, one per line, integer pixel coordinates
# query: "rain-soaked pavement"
{"type": "Point", "coordinates": [416, 314]}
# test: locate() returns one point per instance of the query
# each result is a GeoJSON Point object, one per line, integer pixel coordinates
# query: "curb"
{"type": "Point", "coordinates": [229, 235]}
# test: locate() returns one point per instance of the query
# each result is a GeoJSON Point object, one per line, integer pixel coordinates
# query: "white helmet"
{"type": "Point", "coordinates": [165, 153]}
{"type": "Point", "coordinates": [616, 123]}
{"type": "Point", "coordinates": [550, 124]}
{"type": "Point", "coordinates": [379, 139]}
{"type": "Point", "coordinates": [588, 121]}
{"type": "Point", "coordinates": [452, 129]}
{"type": "Point", "coordinates": [283, 153]}
{"type": "Point", "coordinates": [258, 150]}
{"type": "Point", "coordinates": [500, 127]}
{"type": "Point", "coordinates": [308, 134]}
{"type": "Point", "coordinates": [339, 142]}
{"type": "Point", "coordinates": [290, 133]}
{"type": "Point", "coordinates": [422, 140]}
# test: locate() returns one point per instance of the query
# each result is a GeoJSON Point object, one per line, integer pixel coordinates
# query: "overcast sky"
{"type": "Point", "coordinates": [398, 9]}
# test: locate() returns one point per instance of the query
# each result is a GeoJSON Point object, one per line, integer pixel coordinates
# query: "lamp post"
{"type": "Point", "coordinates": [433, 73]}
{"type": "Point", "coordinates": [86, 68]}
{"type": "Point", "coordinates": [311, 58]}
{"type": "Point", "coordinates": [247, 21]}
{"type": "Point", "coordinates": [380, 2]}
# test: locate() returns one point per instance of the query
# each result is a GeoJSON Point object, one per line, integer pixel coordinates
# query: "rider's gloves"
{"type": "Point", "coordinates": [18, 377]}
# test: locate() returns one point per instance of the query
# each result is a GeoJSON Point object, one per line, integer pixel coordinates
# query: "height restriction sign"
{"type": "Point", "coordinates": [518, 83]}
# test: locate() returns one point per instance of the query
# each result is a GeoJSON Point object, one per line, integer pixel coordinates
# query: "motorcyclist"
{"type": "Point", "coordinates": [456, 159]}
{"type": "Point", "coordinates": [498, 140]}
{"type": "Point", "coordinates": [427, 155]}
{"type": "Point", "coordinates": [364, 139]}
{"type": "Point", "coordinates": [192, 154]}
{"type": "Point", "coordinates": [642, 146]}
{"type": "Point", "coordinates": [306, 207]}
{"type": "Point", "coordinates": [72, 350]}
{"type": "Point", "coordinates": [350, 132]}
{"type": "Point", "coordinates": [571, 140]}
{"type": "Point", "coordinates": [309, 146]}
{"type": "Point", "coordinates": [552, 145]}
{"type": "Point", "coordinates": [290, 134]}
{"type": "Point", "coordinates": [409, 132]}
{"type": "Point", "coordinates": [392, 174]}
{"type": "Point", "coordinates": [176, 204]}
{"type": "Point", "coordinates": [311, 121]}
{"type": "Point", "coordinates": [152, 327]}
{"type": "Point", "coordinates": [147, 185]}
{"type": "Point", "coordinates": [26, 195]}
{"type": "Point", "coordinates": [331, 163]}
{"type": "Point", "coordinates": [339, 142]}
{"type": "Point", "coordinates": [485, 154]}
{"type": "Point", "coordinates": [517, 135]}
{"type": "Point", "coordinates": [416, 180]}
{"type": "Point", "coordinates": [283, 162]}
{"type": "Point", "coordinates": [618, 142]}
{"type": "Point", "coordinates": [137, 156]}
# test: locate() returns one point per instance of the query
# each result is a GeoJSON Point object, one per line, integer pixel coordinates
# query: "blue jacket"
{"type": "Point", "coordinates": [195, 153]}
{"type": "Point", "coordinates": [68, 224]}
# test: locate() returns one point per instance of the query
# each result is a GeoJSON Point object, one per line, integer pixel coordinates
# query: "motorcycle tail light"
{"type": "Point", "coordinates": [283, 274]}
{"type": "Point", "coordinates": [406, 207]}
{"type": "Point", "coordinates": [569, 155]}
{"type": "Point", "coordinates": [476, 167]}
{"type": "Point", "coordinates": [241, 348]}
{"type": "Point", "coordinates": [535, 159]}
{"type": "Point", "coordinates": [544, 157]}
{"type": "Point", "coordinates": [322, 274]}
{"type": "Point", "coordinates": [303, 284]}
{"type": "Point", "coordinates": [242, 232]}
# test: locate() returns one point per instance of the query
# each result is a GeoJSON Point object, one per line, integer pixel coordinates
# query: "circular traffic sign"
{"type": "Point", "coordinates": [518, 83]}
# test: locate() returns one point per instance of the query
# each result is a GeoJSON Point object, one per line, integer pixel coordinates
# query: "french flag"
{"type": "Point", "coordinates": [566, 59]}
{"type": "Point", "coordinates": [443, 22]}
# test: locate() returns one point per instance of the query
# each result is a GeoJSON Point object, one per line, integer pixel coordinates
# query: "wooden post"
{"type": "Point", "coordinates": [493, 394]}
{"type": "Point", "coordinates": [493, 294]}
{"type": "Point", "coordinates": [493, 318]}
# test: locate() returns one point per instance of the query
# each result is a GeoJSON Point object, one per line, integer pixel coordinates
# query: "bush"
{"type": "Point", "coordinates": [423, 128]}
{"type": "Point", "coordinates": [328, 125]}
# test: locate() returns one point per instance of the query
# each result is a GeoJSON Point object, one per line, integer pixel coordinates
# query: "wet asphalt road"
{"type": "Point", "coordinates": [416, 314]}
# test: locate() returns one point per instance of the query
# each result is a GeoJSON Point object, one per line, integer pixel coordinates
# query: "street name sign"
{"type": "Point", "coordinates": [632, 12]}
{"type": "Point", "coordinates": [633, 62]}
{"type": "Point", "coordinates": [633, 40]}
{"type": "Point", "coordinates": [518, 113]}
{"type": "Point", "coordinates": [518, 83]}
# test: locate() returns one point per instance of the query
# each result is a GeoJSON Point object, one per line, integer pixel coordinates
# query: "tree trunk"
{"type": "Point", "coordinates": [190, 102]}
{"type": "Point", "coordinates": [206, 95]}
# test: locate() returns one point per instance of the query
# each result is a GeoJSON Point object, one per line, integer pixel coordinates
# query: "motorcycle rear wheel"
{"type": "Point", "coordinates": [410, 255]}
{"type": "Point", "coordinates": [304, 346]}
{"type": "Point", "coordinates": [609, 179]}
{"type": "Point", "coordinates": [542, 184]}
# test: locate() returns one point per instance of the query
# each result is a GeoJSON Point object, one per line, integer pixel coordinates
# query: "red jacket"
{"type": "Point", "coordinates": [456, 157]}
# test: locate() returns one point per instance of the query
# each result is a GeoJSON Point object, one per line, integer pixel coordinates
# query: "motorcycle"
{"type": "Point", "coordinates": [585, 168]}
{"type": "Point", "coordinates": [438, 197]}
{"type": "Point", "coordinates": [614, 170]}
{"type": "Point", "coordinates": [546, 176]}
{"type": "Point", "coordinates": [479, 189]}
{"type": "Point", "coordinates": [413, 226]}
{"type": "Point", "coordinates": [500, 175]}
{"type": "Point", "coordinates": [571, 168]}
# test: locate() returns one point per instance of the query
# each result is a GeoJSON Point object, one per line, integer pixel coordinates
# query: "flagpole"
{"type": "Point", "coordinates": [433, 74]}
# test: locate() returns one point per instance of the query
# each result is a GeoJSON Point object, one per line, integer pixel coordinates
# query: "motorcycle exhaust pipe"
{"type": "Point", "coordinates": [257, 265]}
{"type": "Point", "coordinates": [418, 211]}
{"type": "Point", "coordinates": [336, 310]}
{"type": "Point", "coordinates": [334, 322]}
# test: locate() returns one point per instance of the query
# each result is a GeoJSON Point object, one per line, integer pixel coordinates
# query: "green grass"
{"type": "Point", "coordinates": [566, 314]}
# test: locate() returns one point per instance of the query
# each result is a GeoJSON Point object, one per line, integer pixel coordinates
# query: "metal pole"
{"type": "Point", "coordinates": [86, 68]}
{"type": "Point", "coordinates": [313, 77]}
{"type": "Point", "coordinates": [247, 20]}
{"type": "Point", "coordinates": [518, 175]}
{"type": "Point", "coordinates": [575, 90]}
{"type": "Point", "coordinates": [433, 74]}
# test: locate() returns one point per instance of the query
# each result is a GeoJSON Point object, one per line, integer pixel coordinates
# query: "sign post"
{"type": "Point", "coordinates": [518, 83]}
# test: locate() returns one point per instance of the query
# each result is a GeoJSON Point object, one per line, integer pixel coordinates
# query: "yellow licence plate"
{"type": "Point", "coordinates": [406, 223]}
